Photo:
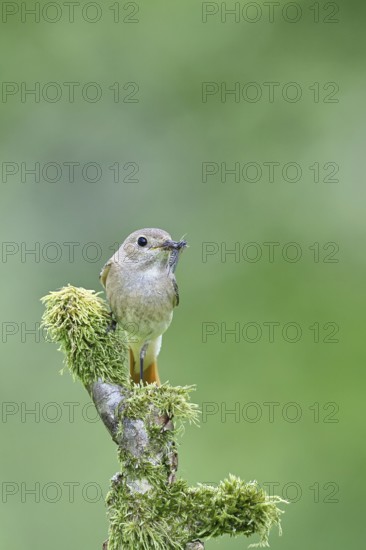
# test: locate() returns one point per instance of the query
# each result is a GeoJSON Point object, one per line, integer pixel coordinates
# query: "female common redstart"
{"type": "Point", "coordinates": [142, 292]}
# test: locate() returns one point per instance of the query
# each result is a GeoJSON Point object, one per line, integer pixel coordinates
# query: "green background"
{"type": "Point", "coordinates": [169, 133]}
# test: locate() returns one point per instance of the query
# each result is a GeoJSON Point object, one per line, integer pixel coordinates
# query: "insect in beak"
{"type": "Point", "coordinates": [173, 245]}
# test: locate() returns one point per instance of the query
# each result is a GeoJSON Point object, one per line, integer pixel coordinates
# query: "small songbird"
{"type": "Point", "coordinates": [142, 291]}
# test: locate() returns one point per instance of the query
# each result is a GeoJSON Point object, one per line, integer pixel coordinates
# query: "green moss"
{"type": "Point", "coordinates": [170, 519]}
{"type": "Point", "coordinates": [169, 401]}
{"type": "Point", "coordinates": [79, 321]}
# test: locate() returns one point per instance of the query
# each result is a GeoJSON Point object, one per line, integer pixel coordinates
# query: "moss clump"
{"type": "Point", "coordinates": [171, 518]}
{"type": "Point", "coordinates": [79, 321]}
{"type": "Point", "coordinates": [169, 401]}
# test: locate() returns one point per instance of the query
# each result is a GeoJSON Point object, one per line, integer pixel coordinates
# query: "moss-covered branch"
{"type": "Point", "coordinates": [148, 507]}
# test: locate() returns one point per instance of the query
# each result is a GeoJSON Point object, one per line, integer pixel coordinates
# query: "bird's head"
{"type": "Point", "coordinates": [150, 247]}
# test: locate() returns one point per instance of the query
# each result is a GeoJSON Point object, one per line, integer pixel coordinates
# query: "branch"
{"type": "Point", "coordinates": [147, 506]}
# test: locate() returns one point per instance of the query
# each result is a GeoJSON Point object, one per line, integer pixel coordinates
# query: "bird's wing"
{"type": "Point", "coordinates": [176, 292]}
{"type": "Point", "coordinates": [104, 273]}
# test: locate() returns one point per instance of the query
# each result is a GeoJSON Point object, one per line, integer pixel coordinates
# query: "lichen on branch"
{"type": "Point", "coordinates": [148, 507]}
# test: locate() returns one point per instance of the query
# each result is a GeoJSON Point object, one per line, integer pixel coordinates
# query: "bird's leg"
{"type": "Point", "coordinates": [142, 357]}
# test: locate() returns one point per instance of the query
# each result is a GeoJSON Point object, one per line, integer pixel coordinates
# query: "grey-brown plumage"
{"type": "Point", "coordinates": [142, 291]}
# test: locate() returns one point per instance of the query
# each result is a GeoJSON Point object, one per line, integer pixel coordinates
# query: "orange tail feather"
{"type": "Point", "coordinates": [134, 375]}
{"type": "Point", "coordinates": [150, 374]}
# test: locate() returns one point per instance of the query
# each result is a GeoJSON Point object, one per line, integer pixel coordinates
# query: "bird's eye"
{"type": "Point", "coordinates": [142, 241]}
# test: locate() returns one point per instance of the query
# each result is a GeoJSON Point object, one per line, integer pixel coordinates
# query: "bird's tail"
{"type": "Point", "coordinates": [150, 373]}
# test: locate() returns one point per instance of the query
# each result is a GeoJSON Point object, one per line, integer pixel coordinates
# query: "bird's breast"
{"type": "Point", "coordinates": [143, 299]}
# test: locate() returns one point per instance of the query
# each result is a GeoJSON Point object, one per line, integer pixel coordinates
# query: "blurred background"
{"type": "Point", "coordinates": [244, 132]}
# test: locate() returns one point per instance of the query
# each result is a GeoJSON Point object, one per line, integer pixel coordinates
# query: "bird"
{"type": "Point", "coordinates": [142, 291]}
